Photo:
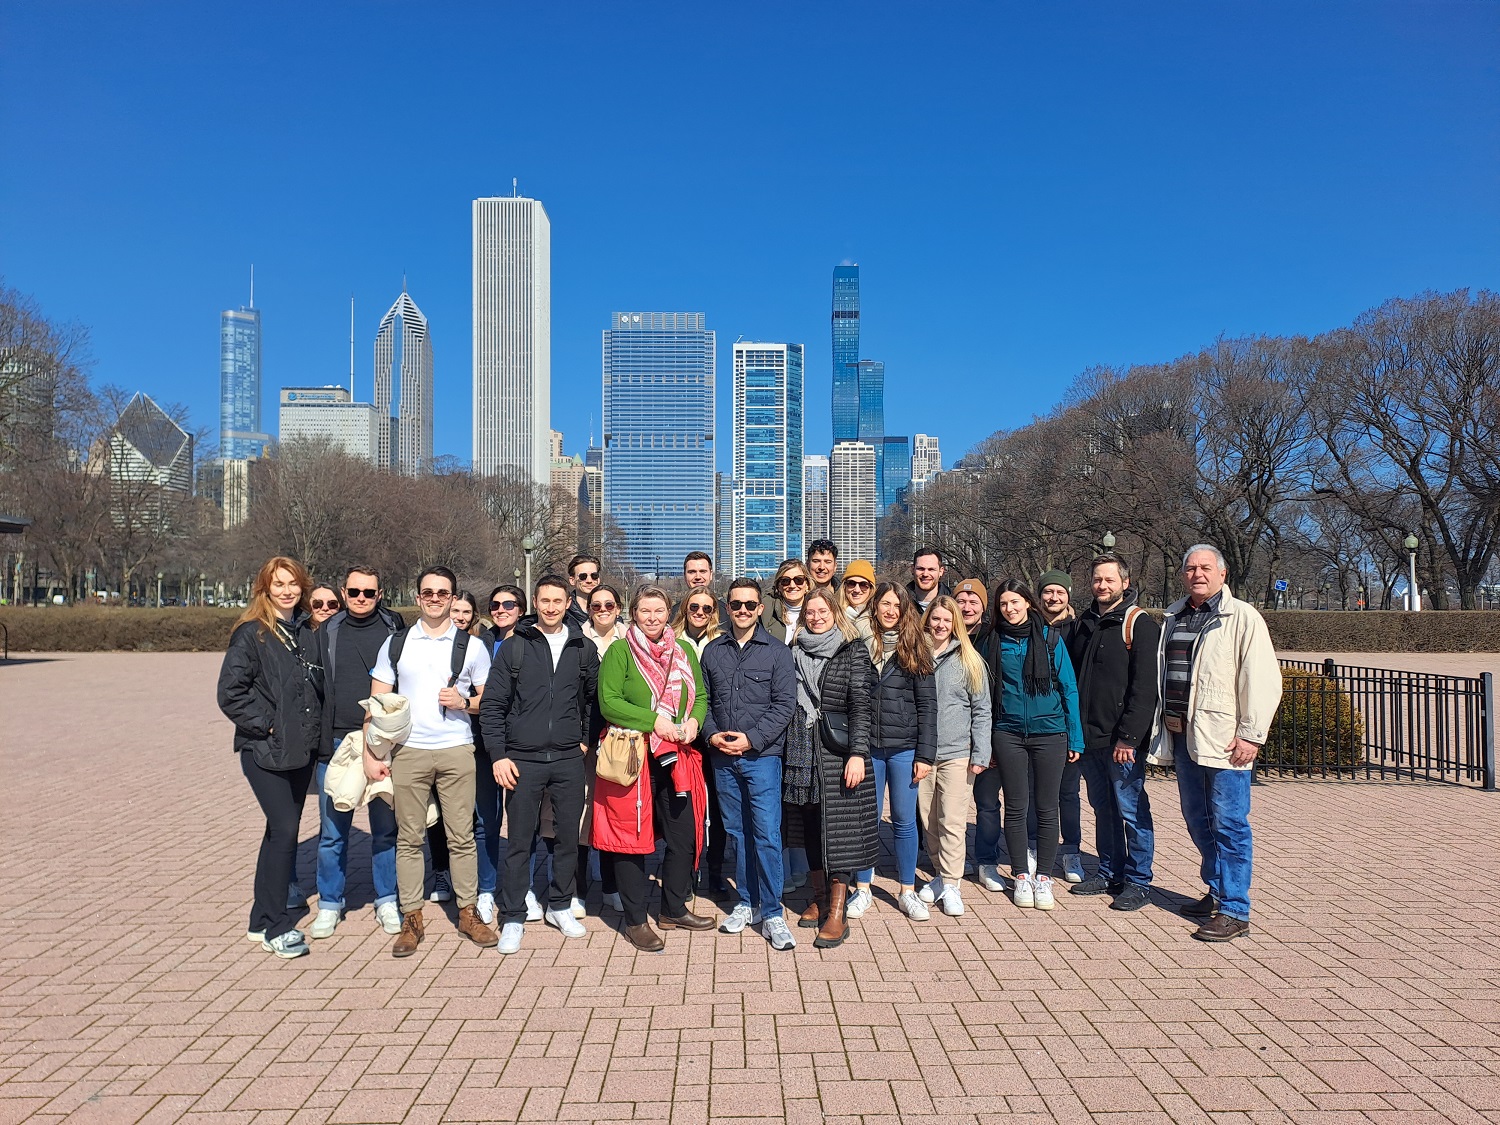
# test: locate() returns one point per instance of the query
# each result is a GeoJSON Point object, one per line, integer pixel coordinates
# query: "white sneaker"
{"type": "Point", "coordinates": [775, 931]}
{"type": "Point", "coordinates": [737, 919]}
{"type": "Point", "coordinates": [510, 937]}
{"type": "Point", "coordinates": [612, 902]}
{"type": "Point", "coordinates": [484, 906]}
{"type": "Point", "coordinates": [1072, 865]}
{"type": "Point", "coordinates": [289, 945]}
{"type": "Point", "coordinates": [442, 887]}
{"type": "Point", "coordinates": [857, 903]}
{"type": "Point", "coordinates": [952, 902]}
{"type": "Point", "coordinates": [388, 914]}
{"type": "Point", "coordinates": [1024, 893]}
{"type": "Point", "coordinates": [990, 878]}
{"type": "Point", "coordinates": [256, 936]}
{"type": "Point", "coordinates": [533, 908]}
{"type": "Point", "coordinates": [932, 891]}
{"type": "Point", "coordinates": [564, 921]}
{"type": "Point", "coordinates": [324, 924]}
{"type": "Point", "coordinates": [577, 908]}
{"type": "Point", "coordinates": [1042, 894]}
{"type": "Point", "coordinates": [1031, 861]}
{"type": "Point", "coordinates": [910, 905]}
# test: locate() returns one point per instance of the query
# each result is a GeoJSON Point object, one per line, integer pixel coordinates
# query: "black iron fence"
{"type": "Point", "coordinates": [1344, 721]}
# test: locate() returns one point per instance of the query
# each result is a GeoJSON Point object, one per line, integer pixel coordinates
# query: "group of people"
{"type": "Point", "coordinates": [786, 720]}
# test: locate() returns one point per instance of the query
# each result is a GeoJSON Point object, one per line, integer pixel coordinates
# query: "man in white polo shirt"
{"type": "Point", "coordinates": [435, 668]}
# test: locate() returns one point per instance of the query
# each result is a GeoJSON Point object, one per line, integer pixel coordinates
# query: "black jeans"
{"type": "Point", "coordinates": [1023, 761]}
{"type": "Point", "coordinates": [811, 817]}
{"type": "Point", "coordinates": [281, 796]}
{"type": "Point", "coordinates": [562, 780]}
{"type": "Point", "coordinates": [675, 824]}
{"type": "Point", "coordinates": [717, 838]}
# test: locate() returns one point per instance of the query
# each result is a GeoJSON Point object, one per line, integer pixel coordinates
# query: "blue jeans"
{"type": "Point", "coordinates": [1216, 806]}
{"type": "Point", "coordinates": [987, 817]}
{"type": "Point", "coordinates": [489, 804]}
{"type": "Point", "coordinates": [893, 775]}
{"type": "Point", "coordinates": [1123, 832]}
{"type": "Point", "coordinates": [333, 848]}
{"type": "Point", "coordinates": [750, 803]}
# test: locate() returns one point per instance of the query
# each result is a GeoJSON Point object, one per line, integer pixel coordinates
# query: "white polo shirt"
{"type": "Point", "coordinates": [426, 664]}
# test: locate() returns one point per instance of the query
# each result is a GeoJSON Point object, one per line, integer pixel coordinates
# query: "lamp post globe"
{"type": "Point", "coordinates": [1413, 596]}
{"type": "Point", "coordinates": [1108, 542]}
{"type": "Point", "coordinates": [528, 545]}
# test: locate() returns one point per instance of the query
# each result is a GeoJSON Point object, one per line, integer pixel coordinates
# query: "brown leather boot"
{"type": "Point", "coordinates": [644, 938]}
{"type": "Point", "coordinates": [687, 920]}
{"type": "Point", "coordinates": [472, 926]}
{"type": "Point", "coordinates": [410, 936]}
{"type": "Point", "coordinates": [812, 917]}
{"type": "Point", "coordinates": [835, 926]}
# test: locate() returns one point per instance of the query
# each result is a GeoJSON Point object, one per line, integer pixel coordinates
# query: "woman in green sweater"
{"type": "Point", "coordinates": [649, 681]}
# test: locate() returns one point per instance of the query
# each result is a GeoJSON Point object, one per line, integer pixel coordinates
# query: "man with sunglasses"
{"type": "Point", "coordinates": [354, 636]}
{"type": "Point", "coordinates": [439, 753]}
{"type": "Point", "coordinates": [584, 577]}
{"type": "Point", "coordinates": [752, 694]}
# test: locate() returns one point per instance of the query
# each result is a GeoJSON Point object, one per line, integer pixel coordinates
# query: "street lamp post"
{"type": "Point", "coordinates": [528, 545]}
{"type": "Point", "coordinates": [1413, 595]}
{"type": "Point", "coordinates": [1108, 542]}
{"type": "Point", "coordinates": [159, 577]}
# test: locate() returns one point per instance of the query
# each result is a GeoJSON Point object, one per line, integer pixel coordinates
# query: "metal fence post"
{"type": "Point", "coordinates": [1487, 727]}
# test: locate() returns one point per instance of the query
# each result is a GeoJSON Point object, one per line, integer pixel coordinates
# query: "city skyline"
{"type": "Point", "coordinates": [768, 452]}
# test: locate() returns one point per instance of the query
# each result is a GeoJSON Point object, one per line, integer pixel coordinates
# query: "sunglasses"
{"type": "Point", "coordinates": [507, 606]}
{"type": "Point", "coordinates": [353, 593]}
{"type": "Point", "coordinates": [703, 609]}
{"type": "Point", "coordinates": [319, 603]}
{"type": "Point", "coordinates": [600, 607]}
{"type": "Point", "coordinates": [794, 580]}
{"type": "Point", "coordinates": [856, 584]}
{"type": "Point", "coordinates": [586, 575]}
{"type": "Point", "coordinates": [438, 595]}
{"type": "Point", "coordinates": [737, 606]}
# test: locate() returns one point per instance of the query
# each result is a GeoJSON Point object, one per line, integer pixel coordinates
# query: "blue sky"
{"type": "Point", "coordinates": [1028, 189]}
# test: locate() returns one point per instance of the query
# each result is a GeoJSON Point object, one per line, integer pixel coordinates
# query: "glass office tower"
{"type": "Point", "coordinates": [659, 436]}
{"type": "Point", "coordinates": [895, 470]}
{"type": "Point", "coordinates": [240, 435]}
{"type": "Point", "coordinates": [846, 405]}
{"type": "Point", "coordinates": [767, 456]}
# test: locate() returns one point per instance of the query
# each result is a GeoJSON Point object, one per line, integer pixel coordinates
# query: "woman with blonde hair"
{"type": "Point", "coordinates": [271, 688]}
{"type": "Point", "coordinates": [789, 589]}
{"type": "Point", "coordinates": [961, 682]}
{"type": "Point", "coordinates": [697, 620]}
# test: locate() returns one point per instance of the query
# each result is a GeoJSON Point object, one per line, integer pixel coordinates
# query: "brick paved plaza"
{"type": "Point", "coordinates": [1369, 991]}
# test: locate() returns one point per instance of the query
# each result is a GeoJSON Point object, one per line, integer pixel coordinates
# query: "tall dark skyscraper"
{"type": "Point", "coordinates": [846, 394]}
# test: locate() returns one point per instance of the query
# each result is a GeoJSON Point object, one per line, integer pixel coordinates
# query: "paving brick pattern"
{"type": "Point", "coordinates": [1370, 991]}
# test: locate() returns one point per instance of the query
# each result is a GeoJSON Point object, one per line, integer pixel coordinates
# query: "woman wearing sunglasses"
{"type": "Point", "coordinates": [698, 622]}
{"type": "Point", "coordinates": [506, 605]}
{"type": "Point", "coordinates": [856, 599]}
{"type": "Point", "coordinates": [324, 604]}
{"type": "Point", "coordinates": [603, 626]}
{"type": "Point", "coordinates": [789, 589]}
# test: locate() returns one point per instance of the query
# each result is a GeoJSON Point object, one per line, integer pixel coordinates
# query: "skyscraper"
{"type": "Point", "coordinates": [768, 381]}
{"type": "Point", "coordinates": [846, 400]}
{"type": "Point", "coordinates": [723, 551]}
{"type": "Point", "coordinates": [870, 378]}
{"type": "Point", "coordinates": [851, 500]}
{"type": "Point", "coordinates": [895, 464]}
{"type": "Point", "coordinates": [814, 498]}
{"type": "Point", "coordinates": [512, 336]}
{"type": "Point", "coordinates": [926, 458]}
{"type": "Point", "coordinates": [405, 437]}
{"type": "Point", "coordinates": [659, 435]}
{"type": "Point", "coordinates": [330, 414]}
{"type": "Point", "coordinates": [240, 434]}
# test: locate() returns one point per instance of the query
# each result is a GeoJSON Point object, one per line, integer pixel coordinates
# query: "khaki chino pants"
{"type": "Point", "coordinates": [943, 804]}
{"type": "Point", "coordinates": [414, 774]}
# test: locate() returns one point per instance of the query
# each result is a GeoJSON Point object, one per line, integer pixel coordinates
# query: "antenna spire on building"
{"type": "Point", "coordinates": [351, 345]}
{"type": "Point", "coordinates": [515, 188]}
{"type": "Point", "coordinates": [252, 285]}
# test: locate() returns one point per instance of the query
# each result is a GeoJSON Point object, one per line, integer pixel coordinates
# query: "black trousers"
{"type": "Point", "coordinates": [562, 780]}
{"type": "Point", "coordinates": [675, 825]}
{"type": "Point", "coordinates": [1026, 762]}
{"type": "Point", "coordinates": [717, 837]}
{"type": "Point", "coordinates": [281, 796]}
{"type": "Point", "coordinates": [811, 816]}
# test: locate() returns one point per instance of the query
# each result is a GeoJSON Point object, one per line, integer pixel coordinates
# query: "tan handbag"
{"type": "Point", "coordinates": [621, 754]}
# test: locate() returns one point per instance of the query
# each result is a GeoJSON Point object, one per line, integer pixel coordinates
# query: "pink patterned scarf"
{"type": "Point", "coordinates": [665, 668]}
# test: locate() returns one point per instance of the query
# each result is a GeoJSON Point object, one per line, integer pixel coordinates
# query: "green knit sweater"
{"type": "Point", "coordinates": [625, 696]}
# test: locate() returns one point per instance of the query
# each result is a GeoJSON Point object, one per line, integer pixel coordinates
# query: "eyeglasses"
{"type": "Point", "coordinates": [794, 580]}
{"type": "Point", "coordinates": [738, 606]}
{"type": "Point", "coordinates": [353, 593]}
{"type": "Point", "coordinates": [436, 595]}
{"type": "Point", "coordinates": [700, 608]}
{"type": "Point", "coordinates": [507, 606]}
{"type": "Point", "coordinates": [319, 603]}
{"type": "Point", "coordinates": [586, 575]}
{"type": "Point", "coordinates": [856, 584]}
{"type": "Point", "coordinates": [601, 607]}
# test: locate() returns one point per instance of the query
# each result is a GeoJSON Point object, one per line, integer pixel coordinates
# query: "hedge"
{"type": "Point", "coordinates": [1306, 630]}
{"type": "Point", "coordinates": [1316, 726]}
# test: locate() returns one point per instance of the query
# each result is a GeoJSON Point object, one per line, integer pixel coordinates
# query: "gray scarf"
{"type": "Point", "coordinates": [888, 641]}
{"type": "Point", "coordinates": [812, 652]}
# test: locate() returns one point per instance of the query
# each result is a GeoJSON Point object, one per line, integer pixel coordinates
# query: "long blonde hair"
{"type": "Point", "coordinates": [680, 619]}
{"type": "Point", "coordinates": [260, 610]}
{"type": "Point", "coordinates": [841, 620]}
{"type": "Point", "coordinates": [975, 671]}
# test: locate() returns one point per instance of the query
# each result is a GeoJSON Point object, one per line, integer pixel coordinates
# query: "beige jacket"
{"type": "Point", "coordinates": [1236, 685]}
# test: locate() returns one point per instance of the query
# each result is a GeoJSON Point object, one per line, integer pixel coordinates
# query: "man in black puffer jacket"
{"type": "Point", "coordinates": [1114, 649]}
{"type": "Point", "coordinates": [535, 716]}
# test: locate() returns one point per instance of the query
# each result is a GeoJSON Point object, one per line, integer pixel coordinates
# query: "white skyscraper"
{"type": "Point", "coordinates": [926, 458]}
{"type": "Point", "coordinates": [329, 413]}
{"type": "Point", "coordinates": [814, 497]}
{"type": "Point", "coordinates": [767, 457]}
{"type": "Point", "coordinates": [405, 437]}
{"type": "Point", "coordinates": [512, 337]}
{"type": "Point", "coordinates": [852, 500]}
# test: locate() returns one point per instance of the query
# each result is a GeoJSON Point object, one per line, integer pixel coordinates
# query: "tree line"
{"type": "Point", "coordinates": [1307, 460]}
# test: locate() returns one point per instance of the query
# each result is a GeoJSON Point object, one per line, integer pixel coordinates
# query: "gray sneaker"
{"type": "Point", "coordinates": [775, 931]}
{"type": "Point", "coordinates": [737, 920]}
{"type": "Point", "coordinates": [912, 907]}
{"type": "Point", "coordinates": [1072, 866]}
{"type": "Point", "coordinates": [325, 923]}
{"type": "Point", "coordinates": [289, 945]}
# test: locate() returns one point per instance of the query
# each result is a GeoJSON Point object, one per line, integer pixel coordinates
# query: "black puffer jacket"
{"type": "Point", "coordinates": [537, 712]}
{"type": "Point", "coordinates": [1117, 687]}
{"type": "Point", "coordinates": [905, 711]}
{"type": "Point", "coordinates": [271, 688]}
{"type": "Point", "coordinates": [848, 687]}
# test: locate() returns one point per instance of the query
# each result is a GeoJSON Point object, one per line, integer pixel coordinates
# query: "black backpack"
{"type": "Point", "coordinates": [455, 667]}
